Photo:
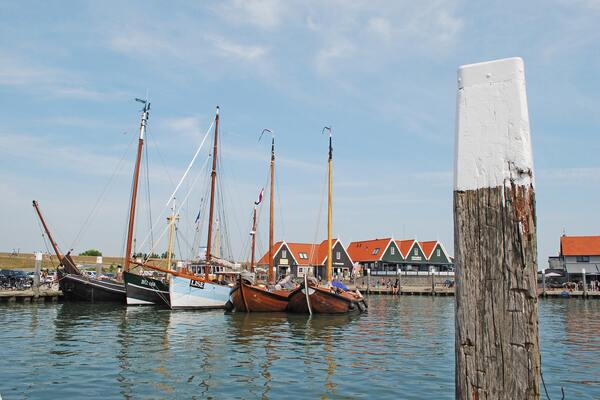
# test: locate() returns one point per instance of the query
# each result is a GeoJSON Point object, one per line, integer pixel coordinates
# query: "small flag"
{"type": "Point", "coordinates": [260, 196]}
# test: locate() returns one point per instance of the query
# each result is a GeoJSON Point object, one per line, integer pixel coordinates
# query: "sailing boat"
{"type": "Point", "coordinates": [331, 298]}
{"type": "Point", "coordinates": [140, 289]}
{"type": "Point", "coordinates": [247, 296]}
{"type": "Point", "coordinates": [75, 285]}
{"type": "Point", "coordinates": [144, 290]}
{"type": "Point", "coordinates": [187, 290]}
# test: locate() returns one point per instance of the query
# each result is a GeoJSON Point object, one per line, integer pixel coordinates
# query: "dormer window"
{"type": "Point", "coordinates": [375, 251]}
{"type": "Point", "coordinates": [303, 256]}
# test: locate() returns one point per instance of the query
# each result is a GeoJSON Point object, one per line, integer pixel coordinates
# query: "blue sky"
{"type": "Point", "coordinates": [382, 73]}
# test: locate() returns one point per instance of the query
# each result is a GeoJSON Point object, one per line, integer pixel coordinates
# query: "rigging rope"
{"type": "Point", "coordinates": [100, 198]}
{"type": "Point", "coordinates": [146, 154]}
{"type": "Point", "coordinates": [191, 163]}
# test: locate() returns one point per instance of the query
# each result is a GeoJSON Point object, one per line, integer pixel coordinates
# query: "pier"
{"type": "Point", "coordinates": [30, 295]}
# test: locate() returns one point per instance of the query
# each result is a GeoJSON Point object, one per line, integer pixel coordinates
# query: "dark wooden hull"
{"type": "Point", "coordinates": [325, 301]}
{"type": "Point", "coordinates": [251, 298]}
{"type": "Point", "coordinates": [78, 288]}
{"type": "Point", "coordinates": [142, 290]}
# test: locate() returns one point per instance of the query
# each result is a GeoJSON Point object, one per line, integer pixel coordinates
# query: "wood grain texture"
{"type": "Point", "coordinates": [497, 343]}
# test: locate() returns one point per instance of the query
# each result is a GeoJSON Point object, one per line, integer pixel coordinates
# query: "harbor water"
{"type": "Point", "coordinates": [403, 347]}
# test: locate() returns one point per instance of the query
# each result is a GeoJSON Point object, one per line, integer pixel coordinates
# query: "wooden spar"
{"type": "Point", "coordinates": [253, 239]}
{"type": "Point", "coordinates": [52, 242]}
{"type": "Point", "coordinates": [171, 272]}
{"type": "Point", "coordinates": [328, 272]}
{"type": "Point", "coordinates": [213, 181]}
{"type": "Point", "coordinates": [66, 260]}
{"type": "Point", "coordinates": [134, 186]}
{"type": "Point", "coordinates": [271, 214]}
{"type": "Point", "coordinates": [171, 221]}
{"type": "Point", "coordinates": [496, 322]}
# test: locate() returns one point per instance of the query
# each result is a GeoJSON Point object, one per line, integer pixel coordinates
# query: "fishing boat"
{"type": "Point", "coordinates": [332, 297]}
{"type": "Point", "coordinates": [246, 295]}
{"type": "Point", "coordinates": [75, 285]}
{"type": "Point", "coordinates": [186, 289]}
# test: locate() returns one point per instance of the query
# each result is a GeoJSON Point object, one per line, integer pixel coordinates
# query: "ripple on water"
{"type": "Point", "coordinates": [402, 348]}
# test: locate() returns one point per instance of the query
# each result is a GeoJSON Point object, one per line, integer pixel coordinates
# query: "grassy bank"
{"type": "Point", "coordinates": [27, 261]}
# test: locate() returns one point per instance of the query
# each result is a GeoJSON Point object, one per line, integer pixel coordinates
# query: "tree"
{"type": "Point", "coordinates": [91, 252]}
{"type": "Point", "coordinates": [164, 255]}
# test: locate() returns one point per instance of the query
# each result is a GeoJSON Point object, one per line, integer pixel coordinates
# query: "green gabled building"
{"type": "Point", "coordinates": [388, 256]}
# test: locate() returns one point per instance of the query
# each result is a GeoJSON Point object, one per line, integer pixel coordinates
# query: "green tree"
{"type": "Point", "coordinates": [91, 252]}
{"type": "Point", "coordinates": [164, 255]}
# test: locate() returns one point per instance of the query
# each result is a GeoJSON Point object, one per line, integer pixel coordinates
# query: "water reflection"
{"type": "Point", "coordinates": [401, 348]}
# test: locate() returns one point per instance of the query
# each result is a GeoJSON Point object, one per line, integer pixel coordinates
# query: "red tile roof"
{"type": "Point", "coordinates": [316, 254]}
{"type": "Point", "coordinates": [405, 246]}
{"type": "Point", "coordinates": [264, 260]}
{"type": "Point", "coordinates": [363, 251]}
{"type": "Point", "coordinates": [428, 247]}
{"type": "Point", "coordinates": [580, 245]}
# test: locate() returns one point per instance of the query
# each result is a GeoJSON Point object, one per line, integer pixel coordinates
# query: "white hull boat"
{"type": "Point", "coordinates": [187, 293]}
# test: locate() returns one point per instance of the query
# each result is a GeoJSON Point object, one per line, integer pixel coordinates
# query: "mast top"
{"type": "Point", "coordinates": [218, 108]}
{"type": "Point", "coordinates": [328, 128]}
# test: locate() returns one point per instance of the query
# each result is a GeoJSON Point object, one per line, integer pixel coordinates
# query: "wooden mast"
{"type": "Point", "coordinates": [213, 178]}
{"type": "Point", "coordinates": [329, 268]}
{"type": "Point", "coordinates": [253, 239]}
{"type": "Point", "coordinates": [171, 221]}
{"type": "Point", "coordinates": [136, 175]}
{"type": "Point", "coordinates": [52, 242]}
{"type": "Point", "coordinates": [272, 213]}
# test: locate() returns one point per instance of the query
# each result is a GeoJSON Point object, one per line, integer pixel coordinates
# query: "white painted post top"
{"type": "Point", "coordinates": [493, 142]}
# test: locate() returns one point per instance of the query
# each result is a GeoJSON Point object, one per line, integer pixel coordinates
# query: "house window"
{"type": "Point", "coordinates": [438, 252]}
{"type": "Point", "coordinates": [583, 258]}
{"type": "Point", "coordinates": [416, 252]}
{"type": "Point", "coordinates": [338, 255]}
{"type": "Point", "coordinates": [392, 250]}
{"type": "Point", "coordinates": [303, 256]}
{"type": "Point", "coordinates": [283, 254]}
{"type": "Point", "coordinates": [375, 251]}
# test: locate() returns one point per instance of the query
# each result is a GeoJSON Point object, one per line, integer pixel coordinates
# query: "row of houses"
{"type": "Point", "coordinates": [378, 256]}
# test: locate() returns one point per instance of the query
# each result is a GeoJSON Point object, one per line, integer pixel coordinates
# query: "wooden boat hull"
{"type": "Point", "coordinates": [79, 288]}
{"type": "Point", "coordinates": [325, 301]}
{"type": "Point", "coordinates": [251, 298]}
{"type": "Point", "coordinates": [142, 290]}
{"type": "Point", "coordinates": [187, 293]}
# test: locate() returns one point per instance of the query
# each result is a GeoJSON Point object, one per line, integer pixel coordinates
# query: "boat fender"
{"type": "Point", "coordinates": [362, 306]}
{"type": "Point", "coordinates": [229, 306]}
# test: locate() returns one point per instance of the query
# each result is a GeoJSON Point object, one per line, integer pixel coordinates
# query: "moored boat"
{"type": "Point", "coordinates": [332, 297]}
{"type": "Point", "coordinates": [144, 290]}
{"type": "Point", "coordinates": [247, 296]}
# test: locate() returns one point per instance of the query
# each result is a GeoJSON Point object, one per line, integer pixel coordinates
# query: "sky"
{"type": "Point", "coordinates": [381, 73]}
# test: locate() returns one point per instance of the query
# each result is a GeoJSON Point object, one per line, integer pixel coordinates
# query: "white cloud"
{"type": "Point", "coordinates": [234, 50]}
{"type": "Point", "coordinates": [17, 72]}
{"type": "Point", "coordinates": [264, 14]}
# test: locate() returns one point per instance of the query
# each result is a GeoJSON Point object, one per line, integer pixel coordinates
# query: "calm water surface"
{"type": "Point", "coordinates": [402, 348]}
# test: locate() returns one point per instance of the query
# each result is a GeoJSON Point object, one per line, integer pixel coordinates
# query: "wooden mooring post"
{"type": "Point", "coordinates": [496, 341]}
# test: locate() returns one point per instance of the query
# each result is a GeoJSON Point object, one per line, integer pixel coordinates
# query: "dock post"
{"type": "Point", "coordinates": [98, 267]}
{"type": "Point", "coordinates": [433, 282]}
{"type": "Point", "coordinates": [544, 283]}
{"type": "Point", "coordinates": [496, 322]}
{"type": "Point", "coordinates": [38, 269]}
{"type": "Point", "coordinates": [368, 280]}
{"type": "Point", "coordinates": [585, 294]}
